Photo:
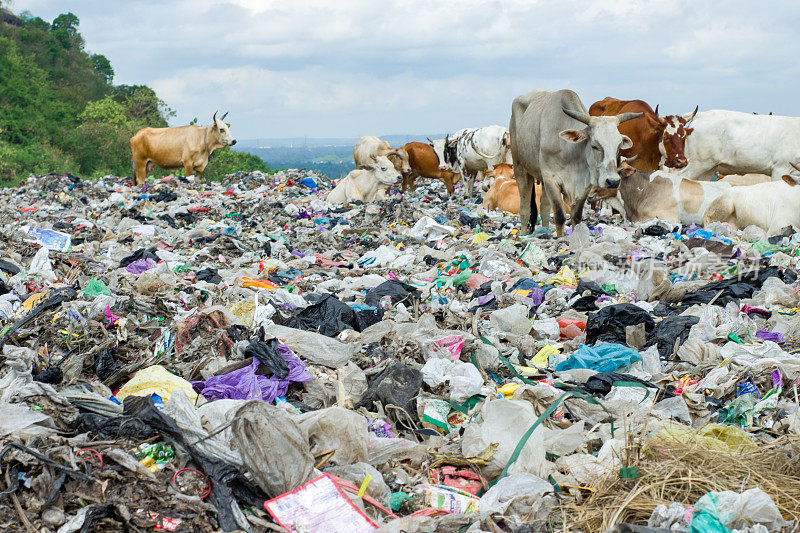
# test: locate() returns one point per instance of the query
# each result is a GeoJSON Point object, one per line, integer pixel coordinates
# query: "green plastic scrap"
{"type": "Point", "coordinates": [740, 411]}
{"type": "Point", "coordinates": [609, 288]}
{"type": "Point", "coordinates": [397, 498]}
{"type": "Point", "coordinates": [735, 338]}
{"type": "Point", "coordinates": [185, 267]}
{"type": "Point", "coordinates": [94, 288]}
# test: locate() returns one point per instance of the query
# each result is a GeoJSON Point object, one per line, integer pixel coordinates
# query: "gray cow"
{"type": "Point", "coordinates": [555, 141]}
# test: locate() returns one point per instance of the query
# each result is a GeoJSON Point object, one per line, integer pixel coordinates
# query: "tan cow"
{"type": "Point", "coordinates": [187, 147]}
{"type": "Point", "coordinates": [368, 148]}
{"type": "Point", "coordinates": [746, 179]}
{"type": "Point", "coordinates": [503, 194]}
{"type": "Point", "coordinates": [365, 184]}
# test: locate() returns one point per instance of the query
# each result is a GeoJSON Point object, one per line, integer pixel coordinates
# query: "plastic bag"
{"type": "Point", "coordinates": [520, 496]}
{"type": "Point", "coordinates": [329, 317]}
{"type": "Point", "coordinates": [274, 448]}
{"type": "Point", "coordinates": [513, 319]}
{"type": "Point", "coordinates": [609, 324]}
{"type": "Point", "coordinates": [315, 348]}
{"type": "Point", "coordinates": [564, 441]}
{"type": "Point", "coordinates": [504, 422]}
{"type": "Point", "coordinates": [737, 511]}
{"type": "Point", "coordinates": [397, 384]}
{"type": "Point", "coordinates": [95, 287]}
{"type": "Point", "coordinates": [41, 265]}
{"type": "Point", "coordinates": [156, 380]}
{"type": "Point", "coordinates": [603, 357]}
{"type": "Point", "coordinates": [464, 379]}
{"type": "Point", "coordinates": [338, 429]}
{"type": "Point", "coordinates": [356, 474]}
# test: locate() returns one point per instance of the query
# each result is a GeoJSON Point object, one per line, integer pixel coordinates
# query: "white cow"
{"type": "Point", "coordinates": [730, 142]}
{"type": "Point", "coordinates": [472, 151]}
{"type": "Point", "coordinates": [366, 184]}
{"type": "Point", "coordinates": [369, 147]}
{"type": "Point", "coordinates": [771, 206]}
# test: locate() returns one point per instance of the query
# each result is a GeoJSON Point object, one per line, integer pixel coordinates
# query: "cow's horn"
{"type": "Point", "coordinates": [693, 114]}
{"type": "Point", "coordinates": [215, 116]}
{"type": "Point", "coordinates": [795, 165]}
{"type": "Point", "coordinates": [580, 117]}
{"type": "Point", "coordinates": [629, 159]}
{"type": "Point", "coordinates": [656, 110]}
{"type": "Point", "coordinates": [223, 116]}
{"type": "Point", "coordinates": [429, 140]}
{"type": "Point", "coordinates": [624, 117]}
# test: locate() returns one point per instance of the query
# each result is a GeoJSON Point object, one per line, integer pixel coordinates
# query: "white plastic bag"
{"type": "Point", "coordinates": [513, 319]}
{"type": "Point", "coordinates": [338, 429]}
{"type": "Point", "coordinates": [504, 422]}
{"type": "Point", "coordinates": [737, 511]}
{"type": "Point", "coordinates": [519, 495]}
{"type": "Point", "coordinates": [464, 379]}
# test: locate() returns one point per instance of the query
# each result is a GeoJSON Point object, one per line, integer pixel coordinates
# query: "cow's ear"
{"type": "Point", "coordinates": [789, 180]}
{"type": "Point", "coordinates": [688, 131]}
{"type": "Point", "coordinates": [574, 136]}
{"type": "Point", "coordinates": [214, 126]}
{"type": "Point", "coordinates": [626, 143]}
{"type": "Point", "coordinates": [626, 171]}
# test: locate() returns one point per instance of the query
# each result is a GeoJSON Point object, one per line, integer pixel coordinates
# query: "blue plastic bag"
{"type": "Point", "coordinates": [602, 357]}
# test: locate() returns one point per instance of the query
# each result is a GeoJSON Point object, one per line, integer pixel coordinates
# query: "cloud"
{"type": "Point", "coordinates": [344, 68]}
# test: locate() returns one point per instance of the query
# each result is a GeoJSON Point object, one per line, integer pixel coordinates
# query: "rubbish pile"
{"type": "Point", "coordinates": [245, 356]}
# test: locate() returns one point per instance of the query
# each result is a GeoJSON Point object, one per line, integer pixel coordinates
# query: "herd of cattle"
{"type": "Point", "coordinates": [620, 153]}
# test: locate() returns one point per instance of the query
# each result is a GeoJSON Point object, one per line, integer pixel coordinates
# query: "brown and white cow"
{"type": "Point", "coordinates": [657, 141]}
{"type": "Point", "coordinates": [503, 194]}
{"type": "Point", "coordinates": [423, 162]}
{"type": "Point", "coordinates": [647, 195]}
{"type": "Point", "coordinates": [188, 147]}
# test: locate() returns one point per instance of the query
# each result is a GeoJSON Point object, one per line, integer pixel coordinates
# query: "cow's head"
{"type": "Point", "coordinates": [440, 148]}
{"type": "Point", "coordinates": [384, 171]}
{"type": "Point", "coordinates": [673, 139]}
{"type": "Point", "coordinates": [602, 144]}
{"type": "Point", "coordinates": [223, 130]}
{"type": "Point", "coordinates": [399, 157]}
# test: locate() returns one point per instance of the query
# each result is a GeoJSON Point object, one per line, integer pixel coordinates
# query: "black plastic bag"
{"type": "Point", "coordinates": [668, 330]}
{"type": "Point", "coordinates": [106, 365]}
{"type": "Point", "coordinates": [209, 275]}
{"type": "Point", "coordinates": [601, 383]}
{"type": "Point", "coordinates": [8, 267]}
{"type": "Point", "coordinates": [736, 288]}
{"type": "Point", "coordinates": [267, 353]}
{"type": "Point", "coordinates": [398, 385]}
{"type": "Point", "coordinates": [399, 291]}
{"type": "Point", "coordinates": [587, 302]}
{"type": "Point", "coordinates": [164, 195]}
{"type": "Point", "coordinates": [608, 324]}
{"type": "Point", "coordinates": [141, 253]}
{"type": "Point", "coordinates": [329, 317]}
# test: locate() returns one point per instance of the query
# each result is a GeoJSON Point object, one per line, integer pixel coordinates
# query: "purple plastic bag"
{"type": "Point", "coordinates": [245, 384]}
{"type": "Point", "coordinates": [773, 336]}
{"type": "Point", "coordinates": [537, 295]}
{"type": "Point", "coordinates": [140, 265]}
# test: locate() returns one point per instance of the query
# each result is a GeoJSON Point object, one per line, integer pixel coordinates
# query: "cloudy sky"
{"type": "Point", "coordinates": [343, 68]}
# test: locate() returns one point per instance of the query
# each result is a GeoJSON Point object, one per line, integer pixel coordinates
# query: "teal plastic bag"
{"type": "Point", "coordinates": [95, 287]}
{"type": "Point", "coordinates": [602, 357]}
{"type": "Point", "coordinates": [704, 522]}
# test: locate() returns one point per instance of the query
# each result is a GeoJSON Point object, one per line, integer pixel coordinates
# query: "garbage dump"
{"type": "Point", "coordinates": [244, 356]}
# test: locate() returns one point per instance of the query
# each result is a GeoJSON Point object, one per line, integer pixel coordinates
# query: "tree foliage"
{"type": "Point", "coordinates": [59, 111]}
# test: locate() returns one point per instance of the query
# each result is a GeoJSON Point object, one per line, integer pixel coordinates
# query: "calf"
{"type": "Point", "coordinates": [503, 193]}
{"type": "Point", "coordinates": [772, 206]}
{"type": "Point", "coordinates": [423, 162]}
{"type": "Point", "coordinates": [367, 184]}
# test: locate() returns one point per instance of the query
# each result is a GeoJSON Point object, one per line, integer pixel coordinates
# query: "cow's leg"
{"type": "Point", "coordinates": [140, 165]}
{"type": "Point", "coordinates": [545, 207]}
{"type": "Point", "coordinates": [448, 182]}
{"type": "Point", "coordinates": [198, 173]}
{"type": "Point", "coordinates": [577, 210]}
{"type": "Point", "coordinates": [527, 203]}
{"type": "Point", "coordinates": [553, 194]}
{"type": "Point", "coordinates": [188, 170]}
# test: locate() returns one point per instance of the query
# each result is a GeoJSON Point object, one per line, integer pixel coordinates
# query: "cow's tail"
{"type": "Point", "coordinates": [487, 156]}
{"type": "Point", "coordinates": [534, 209]}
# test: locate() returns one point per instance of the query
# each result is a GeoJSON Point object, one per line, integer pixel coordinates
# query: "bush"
{"type": "Point", "coordinates": [226, 161]}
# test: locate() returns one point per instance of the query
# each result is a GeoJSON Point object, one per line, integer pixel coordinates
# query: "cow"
{"type": "Point", "coordinates": [746, 179]}
{"type": "Point", "coordinates": [423, 162]}
{"type": "Point", "coordinates": [555, 141]}
{"type": "Point", "coordinates": [731, 142]}
{"type": "Point", "coordinates": [772, 206]}
{"type": "Point", "coordinates": [503, 192]}
{"type": "Point", "coordinates": [189, 147]}
{"type": "Point", "coordinates": [657, 141]}
{"type": "Point", "coordinates": [366, 184]}
{"type": "Point", "coordinates": [472, 151]}
{"type": "Point", "coordinates": [368, 148]}
{"type": "Point", "coordinates": [647, 195]}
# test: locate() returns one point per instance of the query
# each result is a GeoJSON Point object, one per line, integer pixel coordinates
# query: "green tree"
{"type": "Point", "coordinates": [143, 105]}
{"type": "Point", "coordinates": [65, 30]}
{"type": "Point", "coordinates": [102, 66]}
{"type": "Point", "coordinates": [226, 161]}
